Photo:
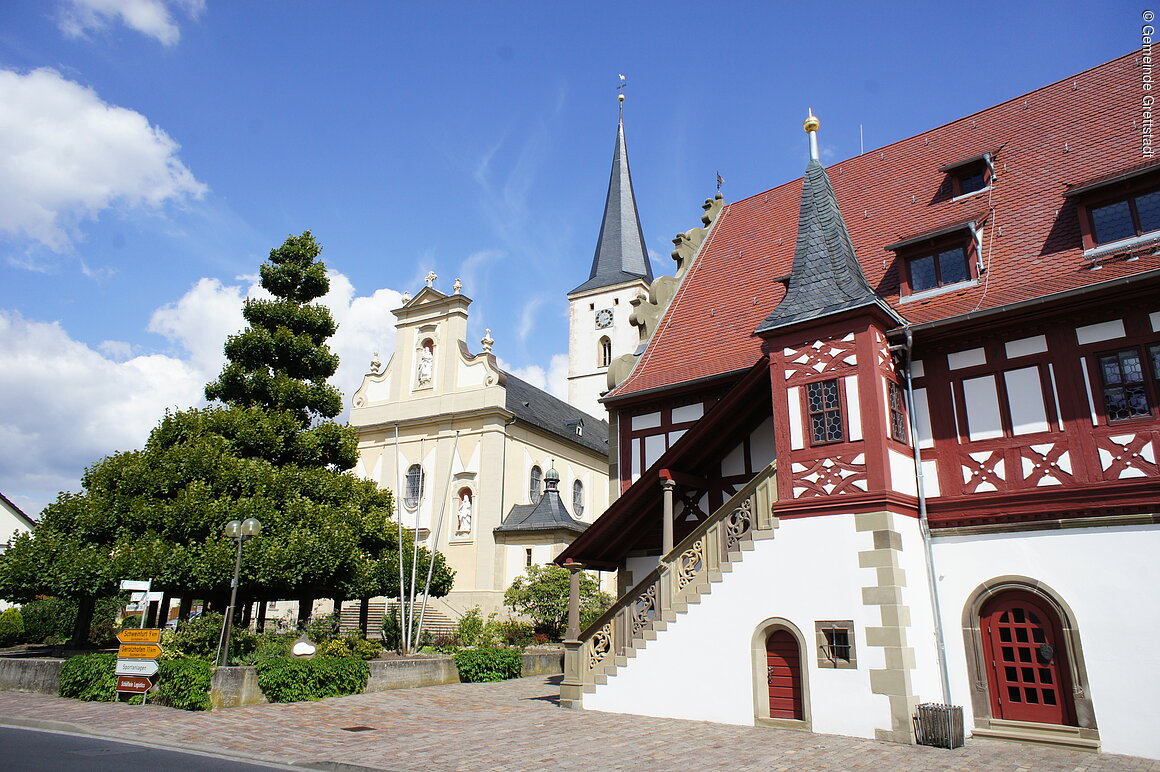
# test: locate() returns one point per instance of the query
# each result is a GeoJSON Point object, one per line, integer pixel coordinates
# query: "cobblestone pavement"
{"type": "Point", "coordinates": [515, 725]}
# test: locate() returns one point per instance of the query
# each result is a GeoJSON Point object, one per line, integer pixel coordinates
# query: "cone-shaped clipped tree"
{"type": "Point", "coordinates": [280, 363]}
{"type": "Point", "coordinates": [271, 452]}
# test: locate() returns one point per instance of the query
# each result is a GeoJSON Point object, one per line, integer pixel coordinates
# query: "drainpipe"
{"type": "Point", "coordinates": [924, 528]}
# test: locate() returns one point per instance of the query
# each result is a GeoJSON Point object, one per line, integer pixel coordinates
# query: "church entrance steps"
{"type": "Point", "coordinates": [1039, 734]}
{"type": "Point", "coordinates": [434, 620]}
{"type": "Point", "coordinates": [681, 579]}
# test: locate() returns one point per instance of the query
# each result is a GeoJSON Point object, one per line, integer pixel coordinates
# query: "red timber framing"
{"type": "Point", "coordinates": [1078, 461]}
{"type": "Point", "coordinates": [634, 521]}
{"type": "Point", "coordinates": [852, 475]}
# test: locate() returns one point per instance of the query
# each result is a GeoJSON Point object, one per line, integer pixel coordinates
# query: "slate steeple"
{"type": "Point", "coordinates": [620, 251]}
{"type": "Point", "coordinates": [826, 278]}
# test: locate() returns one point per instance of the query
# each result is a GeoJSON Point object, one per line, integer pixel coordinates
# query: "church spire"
{"type": "Point", "coordinates": [826, 277]}
{"type": "Point", "coordinates": [620, 250]}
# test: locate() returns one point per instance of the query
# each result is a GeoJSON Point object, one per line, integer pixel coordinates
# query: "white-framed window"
{"type": "Point", "coordinates": [414, 486]}
{"type": "Point", "coordinates": [535, 483]}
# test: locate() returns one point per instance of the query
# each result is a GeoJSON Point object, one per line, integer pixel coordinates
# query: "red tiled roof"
{"type": "Point", "coordinates": [1059, 135]}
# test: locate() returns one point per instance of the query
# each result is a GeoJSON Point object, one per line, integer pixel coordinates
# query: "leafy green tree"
{"type": "Point", "coordinates": [542, 594]}
{"type": "Point", "coordinates": [270, 452]}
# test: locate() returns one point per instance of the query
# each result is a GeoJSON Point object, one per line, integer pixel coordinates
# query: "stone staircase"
{"type": "Point", "coordinates": [682, 578]}
{"type": "Point", "coordinates": [434, 621]}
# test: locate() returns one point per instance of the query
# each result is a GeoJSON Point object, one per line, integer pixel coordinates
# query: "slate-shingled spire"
{"type": "Point", "coordinates": [826, 278]}
{"type": "Point", "coordinates": [620, 252]}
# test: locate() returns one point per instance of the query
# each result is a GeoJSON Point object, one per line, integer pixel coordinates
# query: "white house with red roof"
{"type": "Point", "coordinates": [893, 442]}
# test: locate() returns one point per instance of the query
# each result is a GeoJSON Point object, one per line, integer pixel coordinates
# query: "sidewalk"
{"type": "Point", "coordinates": [514, 725]}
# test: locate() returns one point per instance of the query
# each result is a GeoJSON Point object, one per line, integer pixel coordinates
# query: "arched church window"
{"type": "Point", "coordinates": [604, 352]}
{"type": "Point", "coordinates": [415, 480]}
{"type": "Point", "coordinates": [534, 480]}
{"type": "Point", "coordinates": [577, 498]}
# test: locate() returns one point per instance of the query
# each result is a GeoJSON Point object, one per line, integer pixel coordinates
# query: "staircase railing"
{"type": "Point", "coordinates": [682, 574]}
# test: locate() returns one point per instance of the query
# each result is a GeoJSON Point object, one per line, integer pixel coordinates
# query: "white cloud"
{"type": "Point", "coordinates": [66, 156]}
{"type": "Point", "coordinates": [73, 404]}
{"type": "Point", "coordinates": [554, 380]}
{"type": "Point", "coordinates": [149, 17]}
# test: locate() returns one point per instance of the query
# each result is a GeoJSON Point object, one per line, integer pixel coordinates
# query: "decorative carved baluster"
{"type": "Point", "coordinates": [738, 524]}
{"type": "Point", "coordinates": [690, 564]}
{"type": "Point", "coordinates": [600, 646]}
{"type": "Point", "coordinates": [644, 609]}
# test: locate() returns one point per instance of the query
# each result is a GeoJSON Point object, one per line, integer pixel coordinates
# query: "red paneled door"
{"type": "Point", "coordinates": [1027, 664]}
{"type": "Point", "coordinates": [783, 666]}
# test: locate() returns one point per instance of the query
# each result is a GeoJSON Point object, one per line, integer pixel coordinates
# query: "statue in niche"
{"type": "Point", "coordinates": [426, 363]}
{"type": "Point", "coordinates": [464, 516]}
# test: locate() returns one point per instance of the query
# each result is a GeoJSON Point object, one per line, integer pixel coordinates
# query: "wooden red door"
{"type": "Point", "coordinates": [1024, 648]}
{"type": "Point", "coordinates": [783, 667]}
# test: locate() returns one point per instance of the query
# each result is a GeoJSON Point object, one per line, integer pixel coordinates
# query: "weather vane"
{"type": "Point", "coordinates": [620, 88]}
{"type": "Point", "coordinates": [720, 181]}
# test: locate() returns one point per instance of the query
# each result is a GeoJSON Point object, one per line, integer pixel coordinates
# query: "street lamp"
{"type": "Point", "coordinates": [239, 530]}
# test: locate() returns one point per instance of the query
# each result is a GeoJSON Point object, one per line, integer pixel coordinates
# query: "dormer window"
{"type": "Point", "coordinates": [970, 175]}
{"type": "Point", "coordinates": [1120, 213]}
{"type": "Point", "coordinates": [946, 258]}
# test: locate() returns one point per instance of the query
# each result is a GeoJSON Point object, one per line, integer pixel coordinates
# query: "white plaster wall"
{"type": "Point", "coordinates": [926, 680]}
{"type": "Point", "coordinates": [902, 473]}
{"type": "Point", "coordinates": [640, 566]}
{"type": "Point", "coordinates": [1108, 576]}
{"type": "Point", "coordinates": [701, 666]}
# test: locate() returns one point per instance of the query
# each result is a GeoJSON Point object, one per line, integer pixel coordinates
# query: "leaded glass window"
{"type": "Point", "coordinates": [1125, 394]}
{"type": "Point", "coordinates": [414, 490]}
{"type": "Point", "coordinates": [825, 411]}
{"type": "Point", "coordinates": [577, 498]}
{"type": "Point", "coordinates": [534, 482]}
{"type": "Point", "coordinates": [897, 412]}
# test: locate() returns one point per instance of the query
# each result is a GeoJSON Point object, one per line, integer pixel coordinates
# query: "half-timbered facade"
{"type": "Point", "coordinates": [894, 441]}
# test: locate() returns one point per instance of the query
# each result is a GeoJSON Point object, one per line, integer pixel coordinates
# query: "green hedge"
{"type": "Point", "coordinates": [11, 627]}
{"type": "Point", "coordinates": [89, 677]}
{"type": "Point", "coordinates": [286, 679]}
{"type": "Point", "coordinates": [182, 683]}
{"type": "Point", "coordinates": [479, 665]}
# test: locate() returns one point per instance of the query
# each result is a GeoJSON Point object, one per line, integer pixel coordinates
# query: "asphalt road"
{"type": "Point", "coordinates": [30, 750]}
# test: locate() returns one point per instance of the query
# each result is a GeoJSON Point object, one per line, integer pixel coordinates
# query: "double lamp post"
{"type": "Point", "coordinates": [239, 530]}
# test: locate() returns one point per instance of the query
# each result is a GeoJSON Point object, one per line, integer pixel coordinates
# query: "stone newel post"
{"type": "Point", "coordinates": [667, 486]}
{"type": "Point", "coordinates": [571, 688]}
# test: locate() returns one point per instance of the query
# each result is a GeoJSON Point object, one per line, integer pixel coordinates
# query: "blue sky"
{"type": "Point", "coordinates": [152, 152]}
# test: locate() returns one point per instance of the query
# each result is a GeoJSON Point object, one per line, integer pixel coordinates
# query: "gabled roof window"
{"type": "Point", "coordinates": [939, 261]}
{"type": "Point", "coordinates": [970, 175]}
{"type": "Point", "coordinates": [1119, 213]}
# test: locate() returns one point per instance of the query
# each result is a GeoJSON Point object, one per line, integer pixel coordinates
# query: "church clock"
{"type": "Point", "coordinates": [603, 318]}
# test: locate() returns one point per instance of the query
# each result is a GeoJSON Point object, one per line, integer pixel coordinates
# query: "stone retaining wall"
{"type": "Point", "coordinates": [236, 686]}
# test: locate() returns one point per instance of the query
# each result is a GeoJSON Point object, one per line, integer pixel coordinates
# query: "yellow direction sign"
{"type": "Point", "coordinates": [139, 635]}
{"type": "Point", "coordinates": [139, 651]}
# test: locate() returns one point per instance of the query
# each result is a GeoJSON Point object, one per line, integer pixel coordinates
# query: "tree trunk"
{"type": "Point", "coordinates": [305, 609]}
{"type": "Point", "coordinates": [364, 610]}
{"type": "Point", "coordinates": [84, 623]}
{"type": "Point", "coordinates": [262, 617]}
{"type": "Point", "coordinates": [184, 608]}
{"type": "Point", "coordinates": [151, 614]}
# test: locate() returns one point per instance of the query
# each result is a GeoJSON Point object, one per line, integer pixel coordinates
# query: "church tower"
{"type": "Point", "coordinates": [598, 325]}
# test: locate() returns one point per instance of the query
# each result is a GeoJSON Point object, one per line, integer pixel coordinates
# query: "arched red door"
{"type": "Point", "coordinates": [1027, 663]}
{"type": "Point", "coordinates": [783, 666]}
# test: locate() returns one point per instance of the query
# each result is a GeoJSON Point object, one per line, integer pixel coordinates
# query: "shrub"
{"type": "Point", "coordinates": [51, 620]}
{"type": "Point", "coordinates": [286, 679]}
{"type": "Point", "coordinates": [263, 646]}
{"type": "Point", "coordinates": [515, 633]}
{"type": "Point", "coordinates": [183, 683]}
{"type": "Point", "coordinates": [479, 665]}
{"type": "Point", "coordinates": [131, 621]}
{"type": "Point", "coordinates": [445, 644]}
{"type": "Point", "coordinates": [48, 620]}
{"type": "Point", "coordinates": [197, 637]}
{"type": "Point", "coordinates": [393, 632]}
{"type": "Point", "coordinates": [11, 627]}
{"type": "Point", "coordinates": [323, 627]}
{"type": "Point", "coordinates": [89, 677]}
{"type": "Point", "coordinates": [542, 594]}
{"type": "Point", "coordinates": [350, 646]}
{"type": "Point", "coordinates": [539, 639]}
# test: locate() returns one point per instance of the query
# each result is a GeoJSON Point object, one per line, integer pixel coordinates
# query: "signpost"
{"type": "Point", "coordinates": [137, 667]}
{"type": "Point", "coordinates": [136, 658]}
{"type": "Point", "coordinates": [133, 684]}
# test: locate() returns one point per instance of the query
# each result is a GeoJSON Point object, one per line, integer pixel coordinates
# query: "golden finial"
{"type": "Point", "coordinates": [620, 88]}
{"type": "Point", "coordinates": [811, 123]}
